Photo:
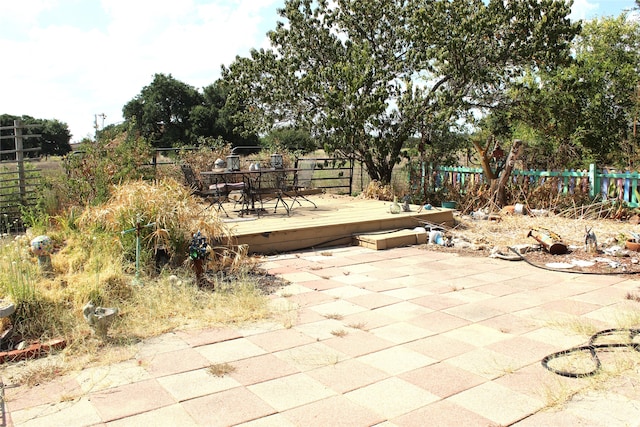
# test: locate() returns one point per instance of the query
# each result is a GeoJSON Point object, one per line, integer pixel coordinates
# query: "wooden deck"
{"type": "Point", "coordinates": [335, 222]}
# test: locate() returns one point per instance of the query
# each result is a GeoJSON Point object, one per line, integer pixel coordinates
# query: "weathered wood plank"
{"type": "Point", "coordinates": [333, 223]}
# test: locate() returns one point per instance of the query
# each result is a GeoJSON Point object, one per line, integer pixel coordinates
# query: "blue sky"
{"type": "Point", "coordinates": [74, 59]}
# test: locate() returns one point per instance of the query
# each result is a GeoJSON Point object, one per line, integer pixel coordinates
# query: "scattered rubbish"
{"type": "Point", "coordinates": [395, 207]}
{"type": "Point", "coordinates": [436, 237]}
{"type": "Point", "coordinates": [559, 265]}
{"type": "Point", "coordinates": [549, 240]}
{"type": "Point", "coordinates": [612, 263]}
{"type": "Point", "coordinates": [99, 318]}
{"type": "Point", "coordinates": [406, 207]}
{"type": "Point", "coordinates": [582, 263]}
{"type": "Point", "coordinates": [590, 241]}
{"type": "Point", "coordinates": [427, 207]}
{"type": "Point", "coordinates": [523, 248]}
{"type": "Point", "coordinates": [615, 250]}
{"type": "Point", "coordinates": [632, 245]}
{"type": "Point", "coordinates": [498, 253]}
{"type": "Point", "coordinates": [42, 247]}
{"type": "Point", "coordinates": [479, 215]}
{"type": "Point", "coordinates": [538, 212]}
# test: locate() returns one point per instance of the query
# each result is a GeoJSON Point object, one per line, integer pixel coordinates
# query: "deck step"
{"type": "Point", "coordinates": [380, 241]}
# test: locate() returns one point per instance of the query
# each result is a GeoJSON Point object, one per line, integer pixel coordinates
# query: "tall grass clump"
{"type": "Point", "coordinates": [94, 259]}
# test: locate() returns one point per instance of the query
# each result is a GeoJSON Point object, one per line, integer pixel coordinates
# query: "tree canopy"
{"type": "Point", "coordinates": [585, 111]}
{"type": "Point", "coordinates": [54, 135]}
{"type": "Point", "coordinates": [364, 76]}
{"type": "Point", "coordinates": [169, 112]}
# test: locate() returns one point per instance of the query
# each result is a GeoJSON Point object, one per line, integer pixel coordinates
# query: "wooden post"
{"type": "Point", "coordinates": [593, 181]}
{"type": "Point", "coordinates": [506, 173]}
{"type": "Point", "coordinates": [17, 129]}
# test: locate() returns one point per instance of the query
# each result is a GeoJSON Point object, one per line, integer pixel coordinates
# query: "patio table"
{"type": "Point", "coordinates": [257, 185]}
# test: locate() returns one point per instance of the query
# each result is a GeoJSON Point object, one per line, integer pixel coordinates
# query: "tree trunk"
{"type": "Point", "coordinates": [500, 195]}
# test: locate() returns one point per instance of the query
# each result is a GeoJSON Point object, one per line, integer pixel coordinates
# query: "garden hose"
{"type": "Point", "coordinates": [592, 348]}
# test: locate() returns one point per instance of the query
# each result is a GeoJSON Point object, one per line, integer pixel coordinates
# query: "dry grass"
{"type": "Point", "coordinates": [512, 230]}
{"type": "Point", "coordinates": [221, 369]}
{"type": "Point", "coordinates": [94, 261]}
{"type": "Point", "coordinates": [334, 316]}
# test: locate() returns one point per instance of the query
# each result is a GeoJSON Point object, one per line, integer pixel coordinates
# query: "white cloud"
{"type": "Point", "coordinates": [70, 74]}
{"type": "Point", "coordinates": [582, 9]}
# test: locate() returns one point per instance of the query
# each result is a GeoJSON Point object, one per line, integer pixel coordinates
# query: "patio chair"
{"type": "Point", "coordinates": [216, 194]}
{"type": "Point", "coordinates": [302, 182]}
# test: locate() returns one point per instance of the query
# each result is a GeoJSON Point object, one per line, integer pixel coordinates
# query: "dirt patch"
{"type": "Point", "coordinates": [484, 237]}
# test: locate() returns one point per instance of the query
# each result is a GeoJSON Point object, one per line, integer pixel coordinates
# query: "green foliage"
{"type": "Point", "coordinates": [584, 110]}
{"type": "Point", "coordinates": [170, 113]}
{"type": "Point", "coordinates": [112, 159]}
{"type": "Point", "coordinates": [290, 139]}
{"type": "Point", "coordinates": [53, 140]}
{"type": "Point", "coordinates": [366, 76]}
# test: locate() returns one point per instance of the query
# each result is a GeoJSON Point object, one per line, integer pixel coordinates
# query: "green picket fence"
{"type": "Point", "coordinates": [608, 184]}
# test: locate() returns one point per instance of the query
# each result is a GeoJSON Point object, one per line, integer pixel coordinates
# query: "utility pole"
{"type": "Point", "coordinates": [95, 121]}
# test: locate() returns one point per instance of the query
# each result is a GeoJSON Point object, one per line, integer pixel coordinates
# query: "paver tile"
{"type": "Point", "coordinates": [373, 300]}
{"type": "Point", "coordinates": [407, 293]}
{"type": "Point", "coordinates": [109, 376]}
{"type": "Point", "coordinates": [130, 399]}
{"type": "Point", "coordinates": [442, 414]}
{"type": "Point", "coordinates": [339, 307]}
{"type": "Point", "coordinates": [260, 368]}
{"type": "Point", "coordinates": [439, 322]}
{"type": "Point", "coordinates": [357, 342]}
{"type": "Point", "coordinates": [474, 312]}
{"type": "Point", "coordinates": [229, 407]}
{"type": "Point", "coordinates": [510, 324]}
{"type": "Point", "coordinates": [335, 411]}
{"type": "Point", "coordinates": [229, 351]}
{"type": "Point", "coordinates": [396, 360]}
{"type": "Point", "coordinates": [347, 375]}
{"type": "Point", "coordinates": [161, 344]}
{"type": "Point", "coordinates": [280, 339]}
{"type": "Point", "coordinates": [442, 379]}
{"type": "Point", "coordinates": [391, 397]}
{"type": "Point", "coordinates": [173, 415]}
{"type": "Point", "coordinates": [198, 337]}
{"type": "Point", "coordinates": [483, 400]}
{"type": "Point", "coordinates": [322, 329]}
{"type": "Point", "coordinates": [401, 332]}
{"type": "Point", "coordinates": [349, 291]}
{"type": "Point", "coordinates": [311, 356]}
{"type": "Point", "coordinates": [402, 311]}
{"type": "Point", "coordinates": [477, 335]}
{"type": "Point", "coordinates": [17, 398]}
{"type": "Point", "coordinates": [523, 349]}
{"type": "Point", "coordinates": [291, 391]}
{"type": "Point", "coordinates": [174, 362]}
{"type": "Point", "coordinates": [485, 363]}
{"type": "Point", "coordinates": [71, 413]}
{"type": "Point", "coordinates": [439, 347]}
{"type": "Point", "coordinates": [192, 384]}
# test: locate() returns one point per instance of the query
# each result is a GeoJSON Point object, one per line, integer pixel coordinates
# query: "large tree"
{"type": "Point", "coordinates": [587, 110]}
{"type": "Point", "coordinates": [53, 140]}
{"type": "Point", "coordinates": [161, 112]}
{"type": "Point", "coordinates": [169, 112]}
{"type": "Point", "coordinates": [365, 75]}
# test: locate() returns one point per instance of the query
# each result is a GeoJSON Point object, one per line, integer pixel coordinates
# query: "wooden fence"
{"type": "Point", "coordinates": [17, 182]}
{"type": "Point", "coordinates": [607, 184]}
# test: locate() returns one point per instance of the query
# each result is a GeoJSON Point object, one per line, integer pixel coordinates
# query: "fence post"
{"type": "Point", "coordinates": [17, 125]}
{"type": "Point", "coordinates": [594, 182]}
